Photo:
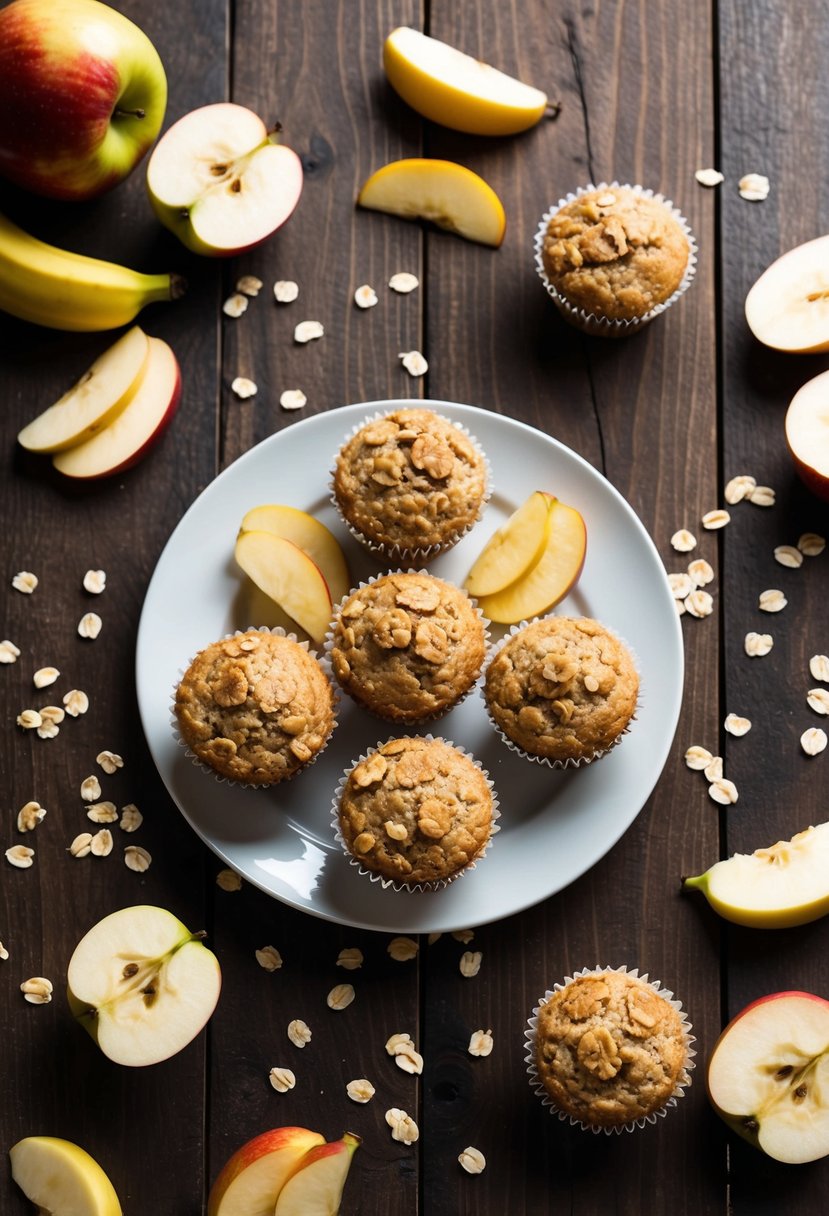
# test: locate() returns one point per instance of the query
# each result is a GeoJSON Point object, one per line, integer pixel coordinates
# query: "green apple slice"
{"type": "Point", "coordinates": [61, 1178]}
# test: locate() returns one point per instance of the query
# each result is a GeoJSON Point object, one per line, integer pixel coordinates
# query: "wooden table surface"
{"type": "Point", "coordinates": [649, 93]}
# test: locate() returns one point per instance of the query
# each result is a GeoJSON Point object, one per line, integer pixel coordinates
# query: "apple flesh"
{"type": "Point", "coordinates": [807, 434]}
{"type": "Point", "coordinates": [308, 534]}
{"type": "Point", "coordinates": [95, 400]}
{"type": "Point", "coordinates": [252, 1178]}
{"type": "Point", "coordinates": [82, 96]}
{"type": "Point", "coordinates": [316, 1186]}
{"type": "Point", "coordinates": [774, 888]}
{"type": "Point", "coordinates": [788, 306]}
{"type": "Point", "coordinates": [219, 180]}
{"type": "Point", "coordinates": [514, 548]}
{"type": "Point", "coordinates": [137, 428]}
{"type": "Point", "coordinates": [142, 984]}
{"type": "Point", "coordinates": [447, 194]}
{"type": "Point", "coordinates": [61, 1178]}
{"type": "Point", "coordinates": [289, 577]}
{"type": "Point", "coordinates": [768, 1076]}
{"type": "Point", "coordinates": [546, 582]}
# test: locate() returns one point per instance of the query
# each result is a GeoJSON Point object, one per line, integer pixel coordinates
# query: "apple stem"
{"type": "Point", "coordinates": [178, 286]}
{"type": "Point", "coordinates": [552, 110]}
{"type": "Point", "coordinates": [199, 935]}
{"type": "Point", "coordinates": [139, 113]}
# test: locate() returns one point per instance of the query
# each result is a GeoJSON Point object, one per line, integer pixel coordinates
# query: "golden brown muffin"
{"type": "Point", "coordinates": [610, 1049]}
{"type": "Point", "coordinates": [408, 646]}
{"type": "Point", "coordinates": [409, 482]}
{"type": "Point", "coordinates": [562, 688]}
{"type": "Point", "coordinates": [256, 707]}
{"type": "Point", "coordinates": [615, 253]}
{"type": "Point", "coordinates": [416, 810]}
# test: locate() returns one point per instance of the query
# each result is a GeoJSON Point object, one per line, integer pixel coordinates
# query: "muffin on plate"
{"type": "Point", "coordinates": [561, 690]}
{"type": "Point", "coordinates": [609, 1049]}
{"type": "Point", "coordinates": [256, 707]}
{"type": "Point", "coordinates": [415, 812]}
{"type": "Point", "coordinates": [410, 483]}
{"type": "Point", "coordinates": [407, 646]}
{"type": "Point", "coordinates": [613, 257]}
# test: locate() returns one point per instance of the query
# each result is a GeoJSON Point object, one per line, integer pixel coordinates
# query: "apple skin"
{"type": "Point", "coordinates": [292, 1142]}
{"type": "Point", "coordinates": [82, 96]}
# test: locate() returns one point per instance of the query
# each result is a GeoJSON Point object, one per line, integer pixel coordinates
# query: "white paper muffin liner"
{"type": "Point", "coordinates": [414, 887]}
{"type": "Point", "coordinates": [203, 765]}
{"type": "Point", "coordinates": [589, 322]}
{"type": "Point", "coordinates": [328, 645]}
{"type": "Point", "coordinates": [402, 554]}
{"type": "Point", "coordinates": [571, 761]}
{"type": "Point", "coordinates": [683, 1080]}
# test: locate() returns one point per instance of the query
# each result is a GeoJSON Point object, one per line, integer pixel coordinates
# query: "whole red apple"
{"type": "Point", "coordinates": [82, 96]}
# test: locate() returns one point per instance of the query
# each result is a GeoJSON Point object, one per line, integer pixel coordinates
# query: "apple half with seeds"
{"type": "Point", "coordinates": [788, 306]}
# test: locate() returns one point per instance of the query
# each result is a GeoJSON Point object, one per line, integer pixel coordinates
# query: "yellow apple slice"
{"type": "Point", "coordinates": [788, 306]}
{"type": "Point", "coordinates": [442, 191]}
{"type": "Point", "coordinates": [552, 576]}
{"type": "Point", "coordinates": [100, 395]}
{"type": "Point", "coordinates": [514, 548]}
{"type": "Point", "coordinates": [289, 577]}
{"type": "Point", "coordinates": [61, 1178]}
{"type": "Point", "coordinates": [316, 1186]}
{"type": "Point", "coordinates": [251, 1180]}
{"type": "Point", "coordinates": [310, 535]}
{"type": "Point", "coordinates": [451, 88]}
{"type": "Point", "coordinates": [785, 884]}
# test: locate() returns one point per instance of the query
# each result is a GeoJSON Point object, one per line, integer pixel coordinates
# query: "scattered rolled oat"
{"type": "Point", "coordinates": [472, 1160]}
{"type": "Point", "coordinates": [9, 653]}
{"type": "Point", "coordinates": [700, 572]}
{"type": "Point", "coordinates": [403, 282]}
{"type": "Point", "coordinates": [90, 789]}
{"type": "Point", "coordinates": [4, 954]}
{"type": "Point", "coordinates": [292, 399]}
{"type": "Point", "coordinates": [819, 667]}
{"type": "Point", "coordinates": [709, 177]}
{"type": "Point", "coordinates": [480, 1043]}
{"type": "Point", "coordinates": [25, 581]}
{"type": "Point", "coordinates": [299, 1032]}
{"type": "Point", "coordinates": [683, 541]}
{"type": "Point", "coordinates": [360, 1090]}
{"type": "Point", "coordinates": [754, 187]}
{"type": "Point", "coordinates": [738, 488]}
{"type": "Point", "coordinates": [715, 519]}
{"type": "Point", "coordinates": [470, 963]}
{"type": "Point", "coordinates": [29, 816]}
{"type": "Point", "coordinates": [47, 729]}
{"type": "Point", "coordinates": [20, 856]}
{"type": "Point", "coordinates": [735, 725]}
{"type": "Point", "coordinates": [285, 291]}
{"type": "Point", "coordinates": [758, 644]}
{"type": "Point", "coordinates": [131, 818]}
{"type": "Point", "coordinates": [37, 990]}
{"type": "Point", "coordinates": [29, 719]}
{"type": "Point", "coordinates": [399, 1041]}
{"type": "Point", "coordinates": [713, 769]}
{"type": "Point", "coordinates": [249, 285]}
{"type": "Point", "coordinates": [413, 362]}
{"type": "Point", "coordinates": [243, 388]}
{"type": "Point", "coordinates": [235, 305]}
{"type": "Point", "coordinates": [102, 812]}
{"type": "Point", "coordinates": [403, 1127]}
{"type": "Point", "coordinates": [818, 700]}
{"type": "Point", "coordinates": [94, 581]}
{"type": "Point", "coordinates": [44, 676]}
{"type": "Point", "coordinates": [109, 761]}
{"type": "Point", "coordinates": [723, 791]}
{"type": "Point", "coordinates": [787, 555]}
{"type": "Point", "coordinates": [269, 959]}
{"type": "Point", "coordinates": [102, 842]}
{"type": "Point", "coordinates": [762, 496]}
{"type": "Point", "coordinates": [772, 601]}
{"type": "Point", "coordinates": [228, 880]}
{"type": "Point", "coordinates": [282, 1079]}
{"type": "Point", "coordinates": [697, 757]}
{"type": "Point", "coordinates": [307, 331]}
{"type": "Point", "coordinates": [340, 996]}
{"type": "Point", "coordinates": [402, 949]}
{"type": "Point", "coordinates": [351, 958]}
{"type": "Point", "coordinates": [76, 702]}
{"type": "Point", "coordinates": [699, 603]}
{"type": "Point", "coordinates": [813, 740]}
{"type": "Point", "coordinates": [81, 846]}
{"type": "Point", "coordinates": [409, 1060]}
{"type": "Point", "coordinates": [811, 544]}
{"type": "Point", "coordinates": [681, 585]}
{"type": "Point", "coordinates": [90, 624]}
{"type": "Point", "coordinates": [463, 935]}
{"type": "Point", "coordinates": [52, 713]}
{"type": "Point", "coordinates": [136, 858]}
{"type": "Point", "coordinates": [679, 605]}
{"type": "Point", "coordinates": [365, 296]}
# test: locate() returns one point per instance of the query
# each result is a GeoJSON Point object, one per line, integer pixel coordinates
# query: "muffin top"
{"type": "Point", "coordinates": [615, 253]}
{"type": "Point", "coordinates": [563, 688]}
{"type": "Point", "coordinates": [408, 645]}
{"type": "Point", "coordinates": [416, 810]}
{"type": "Point", "coordinates": [410, 479]}
{"type": "Point", "coordinates": [609, 1049]}
{"type": "Point", "coordinates": [256, 707]}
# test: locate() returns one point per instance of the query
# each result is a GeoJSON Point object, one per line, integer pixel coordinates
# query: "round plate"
{"type": "Point", "coordinates": [554, 825]}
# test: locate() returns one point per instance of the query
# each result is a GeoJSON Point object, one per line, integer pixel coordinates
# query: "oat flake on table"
{"type": "Point", "coordinates": [811, 544]}
{"type": "Point", "coordinates": [697, 757]}
{"type": "Point", "coordinates": [365, 296]}
{"type": "Point", "coordinates": [292, 399]}
{"type": "Point", "coordinates": [414, 362]}
{"type": "Point", "coordinates": [762, 496]}
{"type": "Point", "coordinates": [4, 954]}
{"type": "Point", "coordinates": [76, 702]}
{"type": "Point", "coordinates": [480, 1043]}
{"type": "Point", "coordinates": [37, 990]}
{"type": "Point", "coordinates": [736, 725]}
{"type": "Point", "coordinates": [228, 880]}
{"type": "Point", "coordinates": [681, 585]}
{"type": "Point", "coordinates": [29, 816]}
{"type": "Point", "coordinates": [813, 741]}
{"type": "Point", "coordinates": [44, 676]}
{"type": "Point", "coordinates": [772, 600]}
{"type": "Point", "coordinates": [723, 791]}
{"type": "Point", "coordinates": [131, 818]}
{"type": "Point", "coordinates": [109, 761]}
{"type": "Point", "coordinates": [235, 305]}
{"type": "Point", "coordinates": [90, 789]}
{"type": "Point", "coordinates": [700, 572]}
{"type": "Point", "coordinates": [269, 958]}
{"type": "Point", "coordinates": [25, 581]}
{"type": "Point", "coordinates": [299, 1032]}
{"type": "Point", "coordinates": [788, 555]}
{"type": "Point", "coordinates": [9, 653]}
{"type": "Point", "coordinates": [136, 858]}
{"type": "Point", "coordinates": [90, 625]}
{"type": "Point", "coordinates": [308, 331]}
{"type": "Point", "coordinates": [350, 958]}
{"type": "Point", "coordinates": [243, 388]}
{"type": "Point", "coordinates": [819, 667]}
{"type": "Point", "coordinates": [713, 520]}
{"type": "Point", "coordinates": [472, 1160]}
{"type": "Point", "coordinates": [340, 997]}
{"type": "Point", "coordinates": [403, 1127]}
{"type": "Point", "coordinates": [94, 581]}
{"type": "Point", "coordinates": [402, 949]}
{"type": "Point", "coordinates": [754, 187]}
{"type": "Point", "coordinates": [463, 935]}
{"type": "Point", "coordinates": [699, 603]}
{"type": "Point", "coordinates": [403, 282]}
{"type": "Point", "coordinates": [81, 846]}
{"type": "Point", "coordinates": [102, 812]}
{"type": "Point", "coordinates": [758, 644]}
{"type": "Point", "coordinates": [713, 769]}
{"type": "Point", "coordinates": [29, 719]}
{"type": "Point", "coordinates": [47, 729]}
{"type": "Point", "coordinates": [282, 1079]}
{"type": "Point", "coordinates": [249, 285]}
{"type": "Point", "coordinates": [360, 1090]}
{"type": "Point", "coordinates": [285, 291]}
{"type": "Point", "coordinates": [818, 700]}
{"type": "Point", "coordinates": [470, 963]}
{"type": "Point", "coordinates": [683, 541]}
{"type": "Point", "coordinates": [738, 488]}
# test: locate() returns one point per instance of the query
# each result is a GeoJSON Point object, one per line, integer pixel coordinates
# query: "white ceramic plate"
{"type": "Point", "coordinates": [554, 825]}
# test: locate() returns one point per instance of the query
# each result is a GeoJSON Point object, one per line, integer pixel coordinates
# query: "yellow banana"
{"type": "Point", "coordinates": [64, 290]}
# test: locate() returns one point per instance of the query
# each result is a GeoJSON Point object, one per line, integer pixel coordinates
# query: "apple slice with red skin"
{"type": "Point", "coordinates": [548, 581]}
{"type": "Point", "coordinates": [250, 1181]}
{"type": "Point", "coordinates": [102, 392]}
{"type": "Point", "coordinates": [788, 306]}
{"type": "Point", "coordinates": [136, 429]}
{"type": "Point", "coordinates": [316, 1186]}
{"type": "Point", "coordinates": [768, 1076]}
{"type": "Point", "coordinates": [310, 535]}
{"type": "Point", "coordinates": [807, 434]}
{"type": "Point", "coordinates": [289, 577]}
{"type": "Point", "coordinates": [514, 548]}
